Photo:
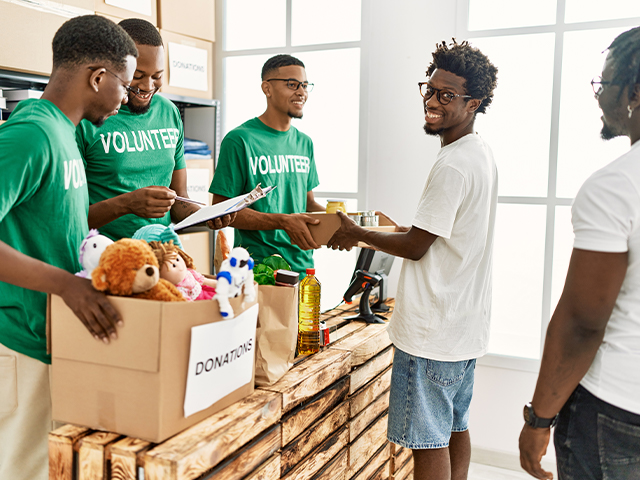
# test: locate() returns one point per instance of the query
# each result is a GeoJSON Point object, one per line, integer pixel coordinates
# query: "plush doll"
{"type": "Point", "coordinates": [235, 273]}
{"type": "Point", "coordinates": [157, 233]}
{"type": "Point", "coordinates": [177, 267]}
{"type": "Point", "coordinates": [90, 250]}
{"type": "Point", "coordinates": [129, 268]}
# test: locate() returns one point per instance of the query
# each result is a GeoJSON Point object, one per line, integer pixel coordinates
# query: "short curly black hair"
{"type": "Point", "coordinates": [471, 64]}
{"type": "Point", "coordinates": [91, 39]}
{"type": "Point", "coordinates": [625, 57]}
{"type": "Point", "coordinates": [282, 60]}
{"type": "Point", "coordinates": [142, 32]}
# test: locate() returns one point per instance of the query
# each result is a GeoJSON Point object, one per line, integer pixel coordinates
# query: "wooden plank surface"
{"type": "Point", "coordinates": [204, 445]}
{"type": "Point", "coordinates": [366, 343]}
{"type": "Point", "coordinates": [405, 472]}
{"type": "Point", "coordinates": [310, 377]}
{"type": "Point", "coordinates": [61, 450]}
{"type": "Point", "coordinates": [344, 332]}
{"type": "Point", "coordinates": [300, 447]}
{"type": "Point", "coordinates": [370, 391]}
{"type": "Point", "coordinates": [336, 469]}
{"type": "Point", "coordinates": [269, 470]}
{"type": "Point", "coordinates": [398, 461]}
{"type": "Point", "coordinates": [320, 457]}
{"type": "Point", "coordinates": [367, 416]}
{"type": "Point", "coordinates": [371, 369]}
{"type": "Point", "coordinates": [92, 461]}
{"type": "Point", "coordinates": [297, 420]}
{"type": "Point", "coordinates": [249, 458]}
{"type": "Point", "coordinates": [124, 457]}
{"type": "Point", "coordinates": [367, 444]}
{"type": "Point", "coordinates": [374, 467]}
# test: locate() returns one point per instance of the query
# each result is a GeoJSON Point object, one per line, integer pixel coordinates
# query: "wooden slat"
{"type": "Point", "coordinates": [367, 444]}
{"type": "Point", "coordinates": [370, 391]}
{"type": "Point", "coordinates": [61, 443]}
{"type": "Point", "coordinates": [366, 417]}
{"type": "Point", "coordinates": [377, 466]}
{"type": "Point", "coordinates": [322, 455]}
{"type": "Point", "coordinates": [311, 377]}
{"type": "Point", "coordinates": [405, 472]}
{"type": "Point", "coordinates": [366, 343]}
{"type": "Point", "coordinates": [395, 449]}
{"type": "Point", "coordinates": [248, 458]}
{"type": "Point", "coordinates": [367, 372]}
{"type": "Point", "coordinates": [346, 331]}
{"type": "Point", "coordinates": [336, 469]}
{"type": "Point", "coordinates": [298, 419]}
{"type": "Point", "coordinates": [204, 445]}
{"type": "Point", "coordinates": [269, 470]}
{"type": "Point", "coordinates": [398, 461]}
{"type": "Point", "coordinates": [92, 459]}
{"type": "Point", "coordinates": [313, 436]}
{"type": "Point", "coordinates": [123, 455]}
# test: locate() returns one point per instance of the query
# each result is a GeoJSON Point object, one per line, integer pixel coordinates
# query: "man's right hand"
{"type": "Point", "coordinates": [150, 202]}
{"type": "Point", "coordinates": [92, 308]}
{"type": "Point", "coordinates": [295, 225]}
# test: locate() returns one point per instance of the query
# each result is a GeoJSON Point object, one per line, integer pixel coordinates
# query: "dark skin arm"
{"type": "Point", "coordinates": [90, 306]}
{"type": "Point", "coordinates": [294, 224]}
{"type": "Point", "coordinates": [411, 243]}
{"type": "Point", "coordinates": [574, 335]}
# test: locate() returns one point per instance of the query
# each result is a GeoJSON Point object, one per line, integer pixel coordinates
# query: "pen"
{"type": "Point", "coordinates": [188, 200]}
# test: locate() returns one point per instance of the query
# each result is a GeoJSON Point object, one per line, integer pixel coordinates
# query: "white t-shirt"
{"type": "Point", "coordinates": [606, 218]}
{"type": "Point", "coordinates": [443, 305]}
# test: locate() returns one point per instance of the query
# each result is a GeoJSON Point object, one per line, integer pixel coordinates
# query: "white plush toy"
{"type": "Point", "coordinates": [235, 272]}
{"type": "Point", "coordinates": [90, 250]}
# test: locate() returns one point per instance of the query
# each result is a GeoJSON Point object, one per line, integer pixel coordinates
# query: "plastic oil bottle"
{"type": "Point", "coordinates": [309, 314]}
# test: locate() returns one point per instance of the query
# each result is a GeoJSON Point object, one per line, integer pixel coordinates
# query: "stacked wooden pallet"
{"type": "Point", "coordinates": [326, 419]}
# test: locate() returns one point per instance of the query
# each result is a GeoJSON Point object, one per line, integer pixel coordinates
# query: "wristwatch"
{"type": "Point", "coordinates": [534, 421]}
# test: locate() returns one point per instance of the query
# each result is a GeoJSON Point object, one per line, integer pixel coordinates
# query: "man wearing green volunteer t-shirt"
{"type": "Point", "coordinates": [43, 219]}
{"type": "Point", "coordinates": [135, 162]}
{"type": "Point", "coordinates": [270, 151]}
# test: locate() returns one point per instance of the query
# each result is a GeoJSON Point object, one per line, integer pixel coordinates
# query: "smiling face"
{"type": "Point", "coordinates": [282, 99]}
{"type": "Point", "coordinates": [147, 78]}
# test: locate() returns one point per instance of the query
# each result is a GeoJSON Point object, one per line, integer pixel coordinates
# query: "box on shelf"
{"type": "Point", "coordinates": [136, 385]}
{"type": "Point", "coordinates": [330, 222]}
{"type": "Point", "coordinates": [199, 176]}
{"type": "Point", "coordinates": [195, 18]}
{"type": "Point", "coordinates": [145, 9]}
{"type": "Point", "coordinates": [188, 66]}
{"type": "Point", "coordinates": [198, 246]}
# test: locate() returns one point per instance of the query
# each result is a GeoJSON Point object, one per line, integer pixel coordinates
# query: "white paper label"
{"type": "Point", "coordinates": [187, 67]}
{"type": "Point", "coordinates": [139, 6]}
{"type": "Point", "coordinates": [198, 183]}
{"type": "Point", "coordinates": [221, 360]}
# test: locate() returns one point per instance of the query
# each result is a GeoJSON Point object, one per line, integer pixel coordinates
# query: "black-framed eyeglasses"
{"type": "Point", "coordinates": [598, 85]}
{"type": "Point", "coordinates": [443, 96]}
{"type": "Point", "coordinates": [128, 88]}
{"type": "Point", "coordinates": [294, 84]}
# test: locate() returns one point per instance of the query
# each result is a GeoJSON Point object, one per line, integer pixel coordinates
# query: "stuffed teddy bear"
{"type": "Point", "coordinates": [90, 250]}
{"type": "Point", "coordinates": [129, 268]}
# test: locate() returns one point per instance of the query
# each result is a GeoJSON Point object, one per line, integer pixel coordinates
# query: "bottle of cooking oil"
{"type": "Point", "coordinates": [309, 314]}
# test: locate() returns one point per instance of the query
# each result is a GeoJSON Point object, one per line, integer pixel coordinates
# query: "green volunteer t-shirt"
{"type": "Point", "coordinates": [43, 212]}
{"type": "Point", "coordinates": [254, 153]}
{"type": "Point", "coordinates": [132, 151]}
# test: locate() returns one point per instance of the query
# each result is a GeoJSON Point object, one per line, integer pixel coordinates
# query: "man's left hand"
{"type": "Point", "coordinates": [533, 446]}
{"type": "Point", "coordinates": [346, 237]}
{"type": "Point", "coordinates": [221, 222]}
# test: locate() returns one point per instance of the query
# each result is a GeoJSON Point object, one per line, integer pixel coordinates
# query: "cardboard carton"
{"type": "Point", "coordinates": [330, 222]}
{"type": "Point", "coordinates": [123, 9]}
{"type": "Point", "coordinates": [198, 246]}
{"type": "Point", "coordinates": [135, 385]}
{"type": "Point", "coordinates": [195, 18]}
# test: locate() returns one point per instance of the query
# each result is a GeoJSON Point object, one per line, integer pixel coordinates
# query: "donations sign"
{"type": "Point", "coordinates": [188, 67]}
{"type": "Point", "coordinates": [221, 360]}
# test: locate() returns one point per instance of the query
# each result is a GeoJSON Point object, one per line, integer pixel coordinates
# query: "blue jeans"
{"type": "Point", "coordinates": [596, 441]}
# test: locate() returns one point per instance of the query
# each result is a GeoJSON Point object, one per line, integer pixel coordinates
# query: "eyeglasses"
{"type": "Point", "coordinates": [443, 96]}
{"type": "Point", "coordinates": [294, 84]}
{"type": "Point", "coordinates": [598, 85]}
{"type": "Point", "coordinates": [128, 88]}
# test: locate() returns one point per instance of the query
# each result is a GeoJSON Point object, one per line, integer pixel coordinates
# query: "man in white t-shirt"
{"type": "Point", "coordinates": [590, 371]}
{"type": "Point", "coordinates": [440, 324]}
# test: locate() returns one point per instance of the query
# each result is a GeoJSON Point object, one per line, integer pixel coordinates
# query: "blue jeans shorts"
{"type": "Point", "coordinates": [429, 400]}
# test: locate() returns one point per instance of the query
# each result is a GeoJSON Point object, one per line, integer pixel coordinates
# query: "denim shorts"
{"type": "Point", "coordinates": [429, 400]}
{"type": "Point", "coordinates": [596, 440]}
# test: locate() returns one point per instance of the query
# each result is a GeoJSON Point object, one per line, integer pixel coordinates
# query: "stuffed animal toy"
{"type": "Point", "coordinates": [157, 232]}
{"type": "Point", "coordinates": [90, 250]}
{"type": "Point", "coordinates": [129, 268]}
{"type": "Point", "coordinates": [235, 273]}
{"type": "Point", "coordinates": [177, 267]}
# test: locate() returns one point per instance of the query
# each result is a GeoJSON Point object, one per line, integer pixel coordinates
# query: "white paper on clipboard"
{"type": "Point", "coordinates": [231, 205]}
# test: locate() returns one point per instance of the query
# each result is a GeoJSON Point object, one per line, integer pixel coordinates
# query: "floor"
{"type": "Point", "coordinates": [478, 471]}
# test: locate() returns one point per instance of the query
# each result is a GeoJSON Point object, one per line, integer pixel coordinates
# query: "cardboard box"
{"type": "Point", "coordinates": [127, 9]}
{"type": "Point", "coordinates": [188, 65]}
{"type": "Point", "coordinates": [198, 246]}
{"type": "Point", "coordinates": [195, 18]}
{"type": "Point", "coordinates": [199, 176]}
{"type": "Point", "coordinates": [135, 385]}
{"type": "Point", "coordinates": [330, 222]}
{"type": "Point", "coordinates": [27, 30]}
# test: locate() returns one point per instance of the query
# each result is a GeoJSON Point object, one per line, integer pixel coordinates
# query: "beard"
{"type": "Point", "coordinates": [139, 109]}
{"type": "Point", "coordinates": [432, 131]}
{"type": "Point", "coordinates": [294, 115]}
{"type": "Point", "coordinates": [99, 122]}
{"type": "Point", "coordinates": [607, 133]}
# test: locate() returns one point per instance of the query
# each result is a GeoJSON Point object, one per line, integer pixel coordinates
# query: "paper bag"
{"type": "Point", "coordinates": [277, 332]}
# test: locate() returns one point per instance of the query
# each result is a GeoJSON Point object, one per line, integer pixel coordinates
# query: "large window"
{"type": "Point", "coordinates": [330, 47]}
{"type": "Point", "coordinates": [544, 129]}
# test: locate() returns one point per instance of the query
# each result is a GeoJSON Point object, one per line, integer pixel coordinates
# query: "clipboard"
{"type": "Point", "coordinates": [221, 209]}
